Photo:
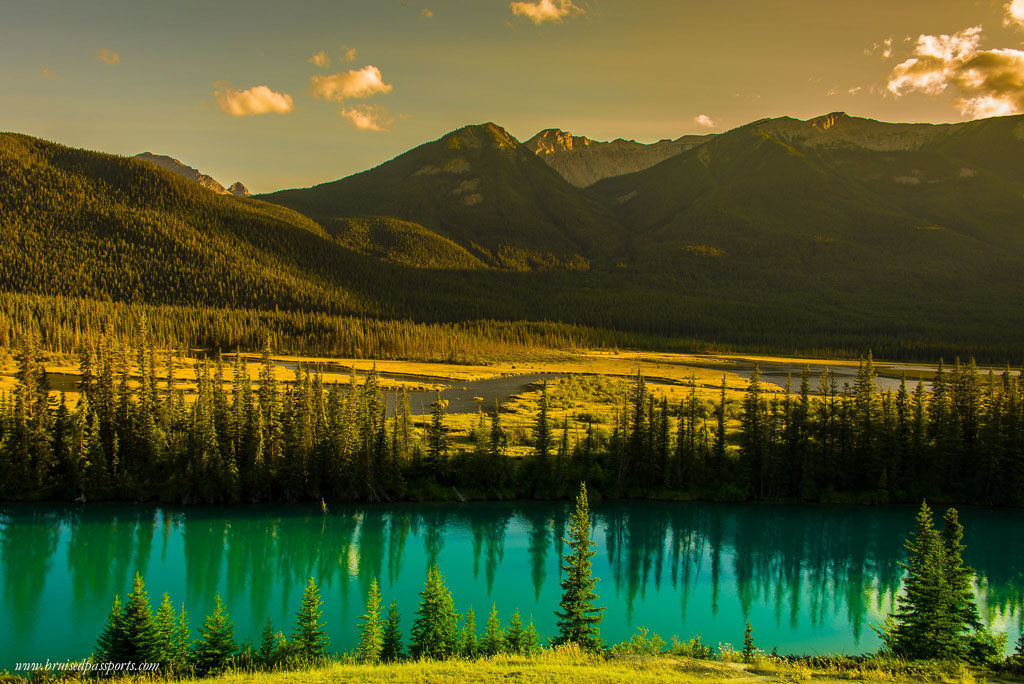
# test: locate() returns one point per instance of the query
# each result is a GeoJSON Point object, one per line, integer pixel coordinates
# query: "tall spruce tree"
{"type": "Point", "coordinates": [391, 640]}
{"type": "Point", "coordinates": [371, 631]}
{"type": "Point", "coordinates": [112, 645]}
{"type": "Point", "coordinates": [310, 640]}
{"type": "Point", "coordinates": [216, 646]}
{"type": "Point", "coordinates": [435, 631]}
{"type": "Point", "coordinates": [468, 642]}
{"type": "Point", "coordinates": [494, 637]}
{"type": "Point", "coordinates": [578, 618]}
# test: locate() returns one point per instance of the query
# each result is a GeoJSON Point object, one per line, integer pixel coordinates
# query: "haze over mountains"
{"type": "Point", "coordinates": [840, 231]}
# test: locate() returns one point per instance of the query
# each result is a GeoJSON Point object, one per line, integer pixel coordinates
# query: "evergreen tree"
{"type": "Point", "coordinates": [437, 438]}
{"type": "Point", "coordinates": [531, 640]}
{"type": "Point", "coordinates": [931, 615]}
{"type": "Point", "coordinates": [578, 618]}
{"type": "Point", "coordinates": [310, 640]}
{"type": "Point", "coordinates": [216, 646]}
{"type": "Point", "coordinates": [140, 628]}
{"type": "Point", "coordinates": [468, 643]}
{"type": "Point", "coordinates": [166, 622]}
{"type": "Point", "coordinates": [113, 644]}
{"type": "Point", "coordinates": [391, 641]}
{"type": "Point", "coordinates": [435, 630]}
{"type": "Point", "coordinates": [268, 645]}
{"type": "Point", "coordinates": [493, 642]}
{"type": "Point", "coordinates": [371, 629]}
{"type": "Point", "coordinates": [748, 644]}
{"type": "Point", "coordinates": [515, 635]}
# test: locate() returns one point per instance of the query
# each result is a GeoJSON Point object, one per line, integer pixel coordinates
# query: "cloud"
{"type": "Point", "coordinates": [348, 54]}
{"type": "Point", "coordinates": [108, 56]}
{"type": "Point", "coordinates": [367, 117]}
{"type": "Point", "coordinates": [427, 13]}
{"type": "Point", "coordinates": [1014, 13]}
{"type": "Point", "coordinates": [256, 100]}
{"type": "Point", "coordinates": [539, 11]}
{"type": "Point", "coordinates": [855, 90]}
{"type": "Point", "coordinates": [49, 73]}
{"type": "Point", "coordinates": [320, 59]}
{"type": "Point", "coordinates": [986, 82]}
{"type": "Point", "coordinates": [355, 83]}
{"type": "Point", "coordinates": [884, 48]}
{"type": "Point", "coordinates": [704, 121]}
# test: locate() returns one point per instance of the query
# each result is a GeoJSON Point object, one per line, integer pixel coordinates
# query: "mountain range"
{"type": "Point", "coordinates": [194, 175]}
{"type": "Point", "coordinates": [836, 231]}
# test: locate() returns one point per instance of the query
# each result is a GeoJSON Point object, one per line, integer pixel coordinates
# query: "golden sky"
{"type": "Point", "coordinates": [289, 94]}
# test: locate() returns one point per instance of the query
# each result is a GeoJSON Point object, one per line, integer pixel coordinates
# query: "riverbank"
{"type": "Point", "coordinates": [572, 668]}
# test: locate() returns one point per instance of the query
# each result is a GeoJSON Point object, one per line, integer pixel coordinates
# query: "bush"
{"type": "Point", "coordinates": [693, 648]}
{"type": "Point", "coordinates": [640, 644]}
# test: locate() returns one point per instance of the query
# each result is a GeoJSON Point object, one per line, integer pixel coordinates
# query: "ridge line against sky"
{"type": "Point", "coordinates": [285, 97]}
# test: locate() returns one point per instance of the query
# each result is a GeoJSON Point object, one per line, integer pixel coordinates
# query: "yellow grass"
{"type": "Point", "coordinates": [572, 667]}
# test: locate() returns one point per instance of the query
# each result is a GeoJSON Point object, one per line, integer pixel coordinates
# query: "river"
{"type": "Point", "coordinates": [809, 579]}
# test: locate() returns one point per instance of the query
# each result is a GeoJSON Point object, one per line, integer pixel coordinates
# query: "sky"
{"type": "Point", "coordinates": [290, 94]}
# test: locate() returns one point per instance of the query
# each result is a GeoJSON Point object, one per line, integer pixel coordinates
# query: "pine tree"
{"type": "Point", "coordinates": [391, 641]}
{"type": "Point", "coordinates": [578, 618]}
{"type": "Point", "coordinates": [468, 643]}
{"type": "Point", "coordinates": [370, 629]}
{"type": "Point", "coordinates": [166, 621]}
{"type": "Point", "coordinates": [268, 645]}
{"type": "Point", "coordinates": [435, 631]}
{"type": "Point", "coordinates": [493, 642]}
{"type": "Point", "coordinates": [183, 641]}
{"type": "Point", "coordinates": [143, 639]}
{"type": "Point", "coordinates": [748, 644]}
{"type": "Point", "coordinates": [112, 645]}
{"type": "Point", "coordinates": [515, 635]}
{"type": "Point", "coordinates": [437, 439]}
{"type": "Point", "coordinates": [922, 626]}
{"type": "Point", "coordinates": [216, 646]}
{"type": "Point", "coordinates": [531, 640]}
{"type": "Point", "coordinates": [310, 640]}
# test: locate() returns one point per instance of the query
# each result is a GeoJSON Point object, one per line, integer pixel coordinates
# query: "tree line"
{"type": "Point", "coordinates": [936, 618]}
{"type": "Point", "coordinates": [134, 435]}
{"type": "Point", "coordinates": [133, 634]}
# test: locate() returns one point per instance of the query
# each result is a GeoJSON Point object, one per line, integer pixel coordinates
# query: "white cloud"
{"type": "Point", "coordinates": [539, 11]}
{"type": "Point", "coordinates": [256, 100]}
{"type": "Point", "coordinates": [426, 13]}
{"type": "Point", "coordinates": [704, 121]}
{"type": "Point", "coordinates": [855, 90]}
{"type": "Point", "coordinates": [108, 56]}
{"type": "Point", "coordinates": [1014, 13]}
{"type": "Point", "coordinates": [320, 59]}
{"type": "Point", "coordinates": [367, 117]}
{"type": "Point", "coordinates": [348, 54]}
{"type": "Point", "coordinates": [355, 83]}
{"type": "Point", "coordinates": [986, 82]}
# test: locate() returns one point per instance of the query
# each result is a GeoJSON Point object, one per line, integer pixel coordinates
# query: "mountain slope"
{"type": "Point", "coordinates": [917, 198]}
{"type": "Point", "coordinates": [583, 161]}
{"type": "Point", "coordinates": [81, 223]}
{"type": "Point", "coordinates": [480, 188]}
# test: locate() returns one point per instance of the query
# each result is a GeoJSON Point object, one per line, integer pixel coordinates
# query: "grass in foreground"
{"type": "Point", "coordinates": [571, 666]}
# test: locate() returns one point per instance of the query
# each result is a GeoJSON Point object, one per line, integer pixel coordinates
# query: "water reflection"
{"type": "Point", "coordinates": [810, 579]}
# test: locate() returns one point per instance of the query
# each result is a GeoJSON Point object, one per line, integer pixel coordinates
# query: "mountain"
{"type": "Point", "coordinates": [192, 174]}
{"type": "Point", "coordinates": [479, 188]}
{"type": "Point", "coordinates": [238, 189]}
{"type": "Point", "coordinates": [832, 233]}
{"type": "Point", "coordinates": [583, 161]}
{"type": "Point", "coordinates": [79, 223]}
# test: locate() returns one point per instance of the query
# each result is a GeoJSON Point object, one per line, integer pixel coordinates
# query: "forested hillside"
{"type": "Point", "coordinates": [833, 235]}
